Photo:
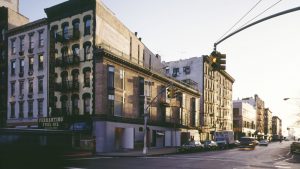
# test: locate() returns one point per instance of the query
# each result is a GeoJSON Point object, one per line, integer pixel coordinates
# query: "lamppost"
{"type": "Point", "coordinates": [146, 113]}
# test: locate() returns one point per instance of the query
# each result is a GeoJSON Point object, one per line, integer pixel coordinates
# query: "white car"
{"type": "Point", "coordinates": [263, 143]}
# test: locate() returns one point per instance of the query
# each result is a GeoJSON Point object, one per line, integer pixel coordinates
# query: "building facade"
{"type": "Point", "coordinates": [276, 128]}
{"type": "Point", "coordinates": [9, 19]}
{"type": "Point", "coordinates": [216, 87]}
{"type": "Point", "coordinates": [244, 119]}
{"type": "Point", "coordinates": [103, 73]}
{"type": "Point", "coordinates": [268, 124]}
{"type": "Point", "coordinates": [27, 74]}
{"type": "Point", "coordinates": [259, 105]}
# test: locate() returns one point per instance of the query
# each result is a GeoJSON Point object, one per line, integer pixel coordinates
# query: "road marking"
{"type": "Point", "coordinates": [90, 158]}
{"type": "Point", "coordinates": [280, 166]}
{"type": "Point", "coordinates": [74, 168]}
{"type": "Point", "coordinates": [288, 153]}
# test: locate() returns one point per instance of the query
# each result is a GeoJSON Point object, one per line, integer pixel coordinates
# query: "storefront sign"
{"type": "Point", "coordinates": [50, 122]}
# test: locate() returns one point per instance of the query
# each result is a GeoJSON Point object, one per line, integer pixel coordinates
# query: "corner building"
{"type": "Point", "coordinates": [216, 89]}
{"type": "Point", "coordinates": [103, 75]}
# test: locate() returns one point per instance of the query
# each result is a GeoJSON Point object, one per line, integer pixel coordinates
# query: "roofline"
{"type": "Point", "coordinates": [23, 28]}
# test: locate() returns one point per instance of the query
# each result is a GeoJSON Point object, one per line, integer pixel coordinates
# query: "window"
{"type": "Point", "coordinates": [87, 74]}
{"type": "Point", "coordinates": [40, 85]}
{"type": "Point", "coordinates": [187, 70]}
{"type": "Point", "coordinates": [40, 107]}
{"type": "Point", "coordinates": [111, 77]}
{"type": "Point", "coordinates": [64, 105]}
{"type": "Point", "coordinates": [167, 70]}
{"type": "Point", "coordinates": [87, 25]}
{"type": "Point", "coordinates": [13, 46]}
{"type": "Point", "coordinates": [76, 28]}
{"type": "Point", "coordinates": [13, 67]}
{"type": "Point", "coordinates": [30, 108]}
{"type": "Point", "coordinates": [30, 66]}
{"type": "Point", "coordinates": [86, 103]}
{"type": "Point", "coordinates": [21, 109]}
{"type": "Point", "coordinates": [87, 50]}
{"type": "Point", "coordinates": [141, 96]}
{"type": "Point", "coordinates": [22, 44]}
{"type": "Point", "coordinates": [31, 43]}
{"type": "Point", "coordinates": [175, 72]}
{"type": "Point", "coordinates": [41, 62]}
{"type": "Point", "coordinates": [54, 32]}
{"type": "Point", "coordinates": [12, 110]}
{"type": "Point", "coordinates": [21, 73]}
{"type": "Point", "coordinates": [30, 86]}
{"type": "Point", "coordinates": [75, 49]}
{"type": "Point", "coordinates": [75, 100]}
{"type": "Point", "coordinates": [21, 88]}
{"type": "Point", "coordinates": [41, 39]}
{"type": "Point", "coordinates": [66, 31]}
{"type": "Point", "coordinates": [12, 89]}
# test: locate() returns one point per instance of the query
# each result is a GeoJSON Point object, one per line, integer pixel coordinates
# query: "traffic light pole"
{"type": "Point", "coordinates": [256, 22]}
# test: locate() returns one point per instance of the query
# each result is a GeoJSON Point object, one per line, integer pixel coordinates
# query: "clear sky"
{"type": "Point", "coordinates": [264, 59]}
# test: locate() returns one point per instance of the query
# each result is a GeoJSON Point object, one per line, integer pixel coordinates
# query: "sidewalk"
{"type": "Point", "coordinates": [139, 153]}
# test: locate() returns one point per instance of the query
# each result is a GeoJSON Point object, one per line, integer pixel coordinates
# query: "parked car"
{"type": "Point", "coordinates": [191, 146]}
{"type": "Point", "coordinates": [237, 142]}
{"type": "Point", "coordinates": [210, 144]}
{"type": "Point", "coordinates": [247, 142]}
{"type": "Point", "coordinates": [263, 143]}
{"type": "Point", "coordinates": [256, 142]}
{"type": "Point", "coordinates": [295, 147]}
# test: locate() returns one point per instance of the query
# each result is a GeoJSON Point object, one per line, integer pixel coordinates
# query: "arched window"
{"type": "Point", "coordinates": [75, 49]}
{"type": "Point", "coordinates": [87, 76]}
{"type": "Point", "coordinates": [65, 28]}
{"type": "Point", "coordinates": [64, 105]}
{"type": "Point", "coordinates": [86, 103]}
{"type": "Point", "coordinates": [87, 50]}
{"type": "Point", "coordinates": [75, 105]}
{"type": "Point", "coordinates": [87, 25]}
{"type": "Point", "coordinates": [75, 81]}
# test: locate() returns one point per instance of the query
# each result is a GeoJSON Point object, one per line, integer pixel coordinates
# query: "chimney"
{"type": "Point", "coordinates": [140, 39]}
{"type": "Point", "coordinates": [135, 33]}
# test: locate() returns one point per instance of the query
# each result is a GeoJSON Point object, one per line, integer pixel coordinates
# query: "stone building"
{"type": "Point", "coordinates": [27, 74]}
{"type": "Point", "coordinates": [259, 105]}
{"type": "Point", "coordinates": [216, 90]}
{"type": "Point", "coordinates": [9, 18]}
{"type": "Point", "coordinates": [244, 119]}
{"type": "Point", "coordinates": [276, 128]}
{"type": "Point", "coordinates": [104, 77]}
{"type": "Point", "coordinates": [268, 124]}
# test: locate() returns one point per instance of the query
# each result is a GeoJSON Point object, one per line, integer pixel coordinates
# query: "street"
{"type": "Point", "coordinates": [276, 155]}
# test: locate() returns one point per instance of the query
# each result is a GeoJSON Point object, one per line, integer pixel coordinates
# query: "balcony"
{"type": "Point", "coordinates": [68, 36]}
{"type": "Point", "coordinates": [21, 53]}
{"type": "Point", "coordinates": [65, 61]}
{"type": "Point", "coordinates": [30, 50]}
{"type": "Point", "coordinates": [75, 111]}
{"type": "Point", "coordinates": [67, 86]}
{"type": "Point", "coordinates": [21, 74]}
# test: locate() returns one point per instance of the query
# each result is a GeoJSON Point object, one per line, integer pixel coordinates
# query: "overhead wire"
{"type": "Point", "coordinates": [260, 14]}
{"type": "Point", "coordinates": [240, 20]}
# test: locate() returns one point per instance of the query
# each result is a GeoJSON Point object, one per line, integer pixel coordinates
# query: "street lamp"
{"type": "Point", "coordinates": [146, 113]}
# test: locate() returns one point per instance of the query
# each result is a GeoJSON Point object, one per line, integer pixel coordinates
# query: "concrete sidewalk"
{"type": "Point", "coordinates": [139, 153]}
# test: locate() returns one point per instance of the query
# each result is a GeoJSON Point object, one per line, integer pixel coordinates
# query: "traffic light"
{"type": "Point", "coordinates": [217, 61]}
{"type": "Point", "coordinates": [170, 92]}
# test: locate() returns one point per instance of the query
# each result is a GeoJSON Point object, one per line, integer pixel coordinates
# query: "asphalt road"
{"type": "Point", "coordinates": [276, 155]}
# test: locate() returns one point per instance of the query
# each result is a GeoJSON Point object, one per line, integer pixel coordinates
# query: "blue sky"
{"type": "Point", "coordinates": [264, 59]}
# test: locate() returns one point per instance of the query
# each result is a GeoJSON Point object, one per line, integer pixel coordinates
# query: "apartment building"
{"type": "Point", "coordinates": [276, 128]}
{"type": "Point", "coordinates": [27, 74]}
{"type": "Point", "coordinates": [244, 119]}
{"type": "Point", "coordinates": [259, 105]}
{"type": "Point", "coordinates": [268, 124]}
{"type": "Point", "coordinates": [216, 90]}
{"type": "Point", "coordinates": [9, 18]}
{"type": "Point", "coordinates": [104, 81]}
